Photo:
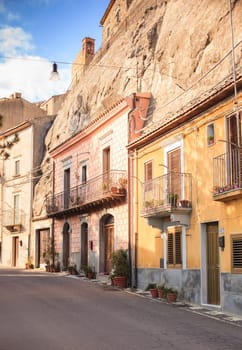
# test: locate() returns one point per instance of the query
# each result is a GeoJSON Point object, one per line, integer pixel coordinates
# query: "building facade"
{"type": "Point", "coordinates": [187, 189]}
{"type": "Point", "coordinates": [89, 202]}
{"type": "Point", "coordinates": [114, 15]}
{"type": "Point", "coordinates": [21, 152]}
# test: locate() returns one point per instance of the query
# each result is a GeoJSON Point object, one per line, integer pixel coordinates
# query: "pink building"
{"type": "Point", "coordinates": [89, 205]}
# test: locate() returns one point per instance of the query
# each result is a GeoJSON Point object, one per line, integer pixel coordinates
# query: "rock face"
{"type": "Point", "coordinates": [176, 49]}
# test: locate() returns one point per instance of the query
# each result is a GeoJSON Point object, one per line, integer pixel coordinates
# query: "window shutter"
{"type": "Point", "coordinates": [178, 248]}
{"type": "Point", "coordinates": [237, 253]}
{"type": "Point", "coordinates": [170, 254]}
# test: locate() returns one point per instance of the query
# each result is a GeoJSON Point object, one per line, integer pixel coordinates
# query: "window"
{"type": "Point", "coordinates": [16, 211]}
{"type": "Point", "coordinates": [174, 248]}
{"type": "Point", "coordinates": [236, 246]}
{"type": "Point", "coordinates": [84, 174]}
{"type": "Point", "coordinates": [17, 167]}
{"type": "Point", "coordinates": [148, 175]}
{"type": "Point", "coordinates": [210, 134]}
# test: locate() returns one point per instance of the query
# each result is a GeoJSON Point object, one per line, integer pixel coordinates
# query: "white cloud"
{"type": "Point", "coordinates": [14, 41]}
{"type": "Point", "coordinates": [30, 76]}
{"type": "Point", "coordinates": [12, 16]}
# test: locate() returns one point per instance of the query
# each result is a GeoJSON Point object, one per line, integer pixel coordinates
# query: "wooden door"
{"type": "Point", "coordinates": [84, 244]}
{"type": "Point", "coordinates": [213, 268]}
{"type": "Point", "coordinates": [15, 251]}
{"type": "Point", "coordinates": [66, 246]}
{"type": "Point", "coordinates": [66, 188]}
{"type": "Point", "coordinates": [109, 247]}
{"type": "Point", "coordinates": [42, 245]}
{"type": "Point", "coordinates": [174, 170]}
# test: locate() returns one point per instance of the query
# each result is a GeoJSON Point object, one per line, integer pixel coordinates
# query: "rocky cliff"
{"type": "Point", "coordinates": [176, 49]}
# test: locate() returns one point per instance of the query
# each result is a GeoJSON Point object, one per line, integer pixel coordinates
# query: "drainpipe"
{"type": "Point", "coordinates": [2, 204]}
{"type": "Point", "coordinates": [234, 71]}
{"type": "Point", "coordinates": [130, 206]}
{"type": "Point", "coordinates": [53, 219]}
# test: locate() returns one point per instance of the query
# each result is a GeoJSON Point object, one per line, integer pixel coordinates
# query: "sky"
{"type": "Point", "coordinates": [36, 33]}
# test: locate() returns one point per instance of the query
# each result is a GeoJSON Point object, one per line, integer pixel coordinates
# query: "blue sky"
{"type": "Point", "coordinates": [35, 33]}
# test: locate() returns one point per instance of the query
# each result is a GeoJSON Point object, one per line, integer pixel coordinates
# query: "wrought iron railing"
{"type": "Point", "coordinates": [112, 184]}
{"type": "Point", "coordinates": [172, 190]}
{"type": "Point", "coordinates": [13, 217]}
{"type": "Point", "coordinates": [227, 172]}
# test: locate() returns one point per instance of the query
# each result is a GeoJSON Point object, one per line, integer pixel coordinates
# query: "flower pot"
{"type": "Point", "coordinates": [154, 292]}
{"type": "Point", "coordinates": [120, 281]}
{"type": "Point", "coordinates": [161, 293]}
{"type": "Point", "coordinates": [171, 297]}
{"type": "Point", "coordinates": [91, 275]}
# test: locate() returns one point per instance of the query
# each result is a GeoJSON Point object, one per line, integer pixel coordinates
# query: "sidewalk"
{"type": "Point", "coordinates": [104, 282]}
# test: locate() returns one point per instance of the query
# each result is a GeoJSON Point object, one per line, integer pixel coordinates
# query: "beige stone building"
{"type": "Point", "coordinates": [114, 15]}
{"type": "Point", "coordinates": [21, 153]}
{"type": "Point", "coordinates": [15, 110]}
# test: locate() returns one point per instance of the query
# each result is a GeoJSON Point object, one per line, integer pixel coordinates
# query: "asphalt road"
{"type": "Point", "coordinates": [45, 311]}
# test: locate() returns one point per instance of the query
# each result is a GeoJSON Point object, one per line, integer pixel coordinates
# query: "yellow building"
{"type": "Point", "coordinates": [186, 201]}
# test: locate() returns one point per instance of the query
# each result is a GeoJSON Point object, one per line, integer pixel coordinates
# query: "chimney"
{"type": "Point", "coordinates": [16, 95]}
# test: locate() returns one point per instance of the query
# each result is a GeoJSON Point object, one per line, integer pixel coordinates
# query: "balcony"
{"type": "Point", "coordinates": [168, 194]}
{"type": "Point", "coordinates": [103, 191]}
{"type": "Point", "coordinates": [227, 176]}
{"type": "Point", "coordinates": [13, 220]}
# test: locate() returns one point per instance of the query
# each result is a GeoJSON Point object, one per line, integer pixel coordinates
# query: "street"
{"type": "Point", "coordinates": [51, 311]}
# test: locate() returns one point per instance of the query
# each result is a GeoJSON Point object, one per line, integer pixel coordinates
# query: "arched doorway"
{"type": "Point", "coordinates": [66, 245]}
{"type": "Point", "coordinates": [107, 243]}
{"type": "Point", "coordinates": [84, 244]}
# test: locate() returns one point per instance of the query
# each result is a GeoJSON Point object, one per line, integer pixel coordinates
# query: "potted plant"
{"type": "Point", "coordinates": [89, 271]}
{"type": "Point", "coordinates": [171, 295]}
{"type": "Point", "coordinates": [72, 269]}
{"type": "Point", "coordinates": [210, 140]}
{"type": "Point", "coordinates": [152, 287]}
{"type": "Point", "coordinates": [162, 290]}
{"type": "Point", "coordinates": [120, 266]}
{"type": "Point", "coordinates": [173, 198]}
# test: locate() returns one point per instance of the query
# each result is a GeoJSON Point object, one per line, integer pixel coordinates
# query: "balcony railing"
{"type": "Point", "coordinates": [169, 192]}
{"type": "Point", "coordinates": [107, 187]}
{"type": "Point", "coordinates": [13, 220]}
{"type": "Point", "coordinates": [227, 176]}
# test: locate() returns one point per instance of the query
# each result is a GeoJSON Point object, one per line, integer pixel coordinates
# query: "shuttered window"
{"type": "Point", "coordinates": [148, 175]}
{"type": "Point", "coordinates": [174, 249]}
{"type": "Point", "coordinates": [236, 244]}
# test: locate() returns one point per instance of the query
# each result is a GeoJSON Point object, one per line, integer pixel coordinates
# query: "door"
{"type": "Point", "coordinates": [66, 188]}
{"type": "Point", "coordinates": [66, 246]}
{"type": "Point", "coordinates": [174, 176]}
{"type": "Point", "coordinates": [106, 169]}
{"type": "Point", "coordinates": [15, 250]}
{"type": "Point", "coordinates": [213, 268]}
{"type": "Point", "coordinates": [109, 247]}
{"type": "Point", "coordinates": [42, 245]}
{"type": "Point", "coordinates": [84, 244]}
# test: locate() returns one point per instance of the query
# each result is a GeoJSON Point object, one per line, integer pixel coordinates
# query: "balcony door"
{"type": "Point", "coordinates": [66, 188]}
{"type": "Point", "coordinates": [234, 166]}
{"type": "Point", "coordinates": [174, 177]}
{"type": "Point", "coordinates": [16, 209]}
{"type": "Point", "coordinates": [106, 169]}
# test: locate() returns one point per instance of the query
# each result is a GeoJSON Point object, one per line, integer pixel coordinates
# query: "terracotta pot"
{"type": "Point", "coordinates": [154, 292]}
{"type": "Point", "coordinates": [120, 281]}
{"type": "Point", "coordinates": [161, 293]}
{"type": "Point", "coordinates": [171, 297]}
